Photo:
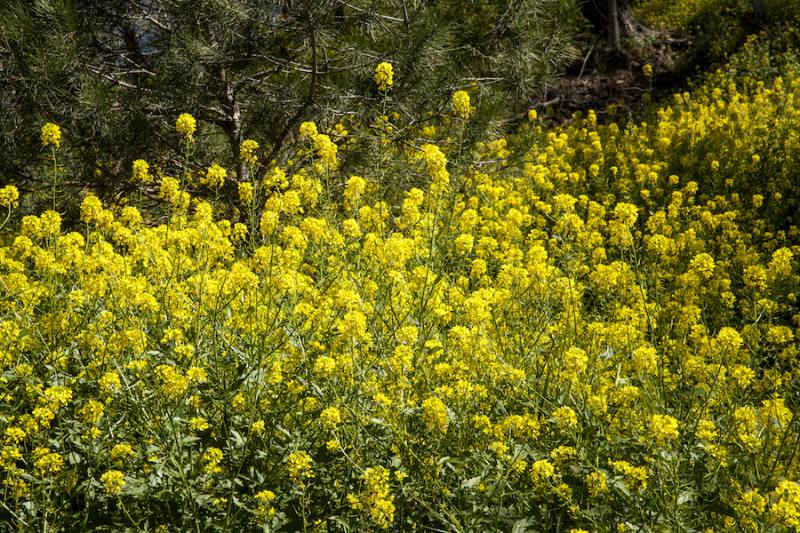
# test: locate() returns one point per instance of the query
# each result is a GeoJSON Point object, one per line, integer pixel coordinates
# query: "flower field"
{"type": "Point", "coordinates": [589, 327]}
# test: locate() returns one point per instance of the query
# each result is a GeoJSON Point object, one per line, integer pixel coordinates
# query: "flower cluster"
{"type": "Point", "coordinates": [384, 74]}
{"type": "Point", "coordinates": [51, 135]}
{"type": "Point", "coordinates": [186, 125]}
{"type": "Point", "coordinates": [461, 104]}
{"type": "Point", "coordinates": [581, 327]}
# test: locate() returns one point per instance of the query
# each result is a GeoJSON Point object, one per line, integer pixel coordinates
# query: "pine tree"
{"type": "Point", "coordinates": [116, 74]}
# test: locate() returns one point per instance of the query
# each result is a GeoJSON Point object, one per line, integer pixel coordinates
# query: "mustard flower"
{"type": "Point", "coordinates": [626, 213]}
{"type": "Point", "coordinates": [377, 497]}
{"type": "Point", "coordinates": [785, 509]}
{"type": "Point", "coordinates": [542, 473]}
{"type": "Point", "coordinates": [215, 176]}
{"type": "Point", "coordinates": [597, 483]}
{"type": "Point", "coordinates": [247, 152]}
{"type": "Point", "coordinates": [211, 459]}
{"type": "Point", "coordinates": [121, 451]}
{"type": "Point", "coordinates": [47, 463]}
{"type": "Point", "coordinates": [245, 192]}
{"type": "Point", "coordinates": [109, 383]}
{"type": "Point", "coordinates": [749, 507]}
{"type": "Point", "coordinates": [308, 130]}
{"type": "Point", "coordinates": [300, 467]}
{"type": "Point", "coordinates": [461, 104]}
{"type": "Point", "coordinates": [435, 161]}
{"type": "Point", "coordinates": [141, 171]}
{"type": "Point", "coordinates": [434, 414]}
{"type": "Point", "coordinates": [92, 412]}
{"type": "Point", "coordinates": [330, 418]}
{"type": "Point", "coordinates": [635, 476]}
{"type": "Point", "coordinates": [113, 481]}
{"type": "Point", "coordinates": [384, 76]}
{"type": "Point", "coordinates": [51, 135]}
{"type": "Point", "coordinates": [9, 195]}
{"type": "Point", "coordinates": [186, 125]}
{"type": "Point", "coordinates": [353, 190]}
{"type": "Point", "coordinates": [197, 424]}
{"type": "Point", "coordinates": [663, 428]}
{"type": "Point", "coordinates": [565, 417]}
{"type": "Point", "coordinates": [57, 396]}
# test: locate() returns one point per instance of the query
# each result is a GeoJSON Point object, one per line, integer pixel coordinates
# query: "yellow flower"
{"type": "Point", "coordinates": [749, 507]}
{"type": "Point", "coordinates": [307, 130]}
{"type": "Point", "coordinates": [785, 509]}
{"type": "Point", "coordinates": [265, 496]}
{"type": "Point", "coordinates": [47, 463]}
{"type": "Point", "coordinates": [330, 418]}
{"type": "Point", "coordinates": [57, 397]}
{"type": "Point", "coordinates": [43, 416]}
{"type": "Point", "coordinates": [461, 104]}
{"type": "Point", "coordinates": [51, 135]}
{"type": "Point", "coordinates": [239, 402]}
{"type": "Point", "coordinates": [186, 125]}
{"type": "Point", "coordinates": [565, 417]}
{"type": "Point", "coordinates": [703, 265]}
{"type": "Point", "coordinates": [300, 466]}
{"type": "Point", "coordinates": [635, 476]}
{"type": "Point", "coordinates": [92, 412]}
{"type": "Point", "coordinates": [113, 482]}
{"type": "Point", "coordinates": [626, 214]}
{"type": "Point", "coordinates": [376, 497]}
{"type": "Point", "coordinates": [247, 152]}
{"type": "Point", "coordinates": [257, 427]}
{"type": "Point", "coordinates": [596, 483]}
{"type": "Point", "coordinates": [434, 414]}
{"type": "Point", "coordinates": [211, 459]}
{"type": "Point", "coordinates": [575, 360]}
{"type": "Point", "coordinates": [435, 161]}
{"type": "Point", "coordinates": [542, 473]}
{"type": "Point", "coordinates": [214, 176]}
{"type": "Point", "coordinates": [265, 510]}
{"type": "Point", "coordinates": [9, 195]}
{"type": "Point", "coordinates": [353, 190]}
{"type": "Point", "coordinates": [110, 383]}
{"type": "Point", "coordinates": [141, 171]}
{"type": "Point", "coordinates": [664, 428]}
{"type": "Point", "coordinates": [198, 423]}
{"type": "Point", "coordinates": [196, 374]}
{"type": "Point", "coordinates": [121, 451]}
{"type": "Point", "coordinates": [645, 360]}
{"type": "Point", "coordinates": [324, 366]}
{"type": "Point", "coordinates": [246, 192]}
{"type": "Point", "coordinates": [384, 76]}
{"type": "Point", "coordinates": [647, 70]}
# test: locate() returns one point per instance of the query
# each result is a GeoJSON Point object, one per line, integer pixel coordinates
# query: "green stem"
{"type": "Point", "coordinates": [8, 216]}
{"type": "Point", "coordinates": [55, 177]}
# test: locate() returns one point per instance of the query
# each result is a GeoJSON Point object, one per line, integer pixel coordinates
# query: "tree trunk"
{"type": "Point", "coordinates": [613, 21]}
{"type": "Point", "coordinates": [233, 125]}
{"type": "Point", "coordinates": [759, 11]}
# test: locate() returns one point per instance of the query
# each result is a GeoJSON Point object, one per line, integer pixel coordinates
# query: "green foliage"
{"type": "Point", "coordinates": [115, 74]}
{"type": "Point", "coordinates": [591, 326]}
{"type": "Point", "coordinates": [718, 28]}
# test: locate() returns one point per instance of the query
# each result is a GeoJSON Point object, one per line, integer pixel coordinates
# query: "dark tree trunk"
{"type": "Point", "coordinates": [613, 23]}
{"type": "Point", "coordinates": [614, 19]}
{"type": "Point", "coordinates": [233, 124]}
{"type": "Point", "coordinates": [759, 11]}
